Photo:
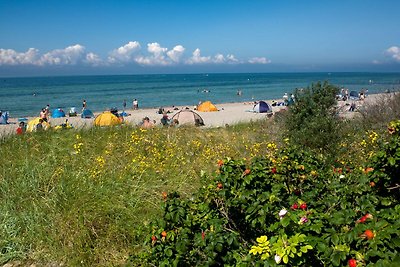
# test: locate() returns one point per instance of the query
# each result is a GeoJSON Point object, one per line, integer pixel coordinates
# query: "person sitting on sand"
{"type": "Point", "coordinates": [21, 128]}
{"type": "Point", "coordinates": [39, 126]}
{"type": "Point", "coordinates": [174, 123]}
{"type": "Point", "coordinates": [146, 123]}
{"type": "Point", "coordinates": [165, 119]}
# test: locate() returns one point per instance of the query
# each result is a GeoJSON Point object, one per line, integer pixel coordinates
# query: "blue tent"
{"type": "Point", "coordinates": [124, 114]}
{"type": "Point", "coordinates": [3, 119]}
{"type": "Point", "coordinates": [354, 95]}
{"type": "Point", "coordinates": [262, 107]}
{"type": "Point", "coordinates": [58, 113]}
{"type": "Point", "coordinates": [87, 114]}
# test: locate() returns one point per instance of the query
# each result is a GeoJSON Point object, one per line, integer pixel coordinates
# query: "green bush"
{"type": "Point", "coordinates": [312, 121]}
{"type": "Point", "coordinates": [288, 207]}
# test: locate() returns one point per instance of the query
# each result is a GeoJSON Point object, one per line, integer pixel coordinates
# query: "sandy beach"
{"type": "Point", "coordinates": [228, 114]}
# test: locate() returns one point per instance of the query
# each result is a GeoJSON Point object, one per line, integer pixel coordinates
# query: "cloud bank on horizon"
{"type": "Point", "coordinates": [130, 53]}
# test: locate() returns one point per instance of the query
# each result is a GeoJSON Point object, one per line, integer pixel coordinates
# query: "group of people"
{"type": "Point", "coordinates": [146, 123]}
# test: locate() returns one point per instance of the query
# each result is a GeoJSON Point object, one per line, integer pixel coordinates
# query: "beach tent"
{"type": "Point", "coordinates": [354, 95]}
{"type": "Point", "coordinates": [262, 107]}
{"type": "Point", "coordinates": [72, 112]}
{"type": "Point", "coordinates": [4, 117]}
{"type": "Point", "coordinates": [58, 113]}
{"type": "Point", "coordinates": [87, 114]}
{"type": "Point", "coordinates": [31, 126]}
{"type": "Point", "coordinates": [207, 107]}
{"type": "Point", "coordinates": [107, 119]}
{"type": "Point", "coordinates": [188, 117]}
{"type": "Point", "coordinates": [124, 114]}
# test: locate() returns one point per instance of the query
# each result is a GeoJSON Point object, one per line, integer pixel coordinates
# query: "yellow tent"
{"type": "Point", "coordinates": [107, 119]}
{"type": "Point", "coordinates": [31, 127]}
{"type": "Point", "coordinates": [206, 107]}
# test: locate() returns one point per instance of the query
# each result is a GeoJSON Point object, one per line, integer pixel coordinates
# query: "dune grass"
{"type": "Point", "coordinates": [80, 197]}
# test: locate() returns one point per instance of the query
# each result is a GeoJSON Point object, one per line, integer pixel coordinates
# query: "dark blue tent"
{"type": "Point", "coordinates": [262, 107]}
{"type": "Point", "coordinates": [87, 114]}
{"type": "Point", "coordinates": [354, 95]}
{"type": "Point", "coordinates": [58, 113]}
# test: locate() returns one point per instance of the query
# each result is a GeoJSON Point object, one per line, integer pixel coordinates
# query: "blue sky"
{"type": "Point", "coordinates": [57, 37]}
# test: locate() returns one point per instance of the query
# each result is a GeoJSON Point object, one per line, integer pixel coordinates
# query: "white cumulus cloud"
{"type": "Point", "coordinates": [259, 60]}
{"type": "Point", "coordinates": [70, 55]}
{"type": "Point", "coordinates": [197, 58]}
{"type": "Point", "coordinates": [124, 53]}
{"type": "Point", "coordinates": [93, 59]}
{"type": "Point", "coordinates": [12, 57]}
{"type": "Point", "coordinates": [129, 53]}
{"type": "Point", "coordinates": [160, 56]}
{"type": "Point", "coordinates": [219, 58]}
{"type": "Point", "coordinates": [393, 52]}
{"type": "Point", "coordinates": [176, 53]}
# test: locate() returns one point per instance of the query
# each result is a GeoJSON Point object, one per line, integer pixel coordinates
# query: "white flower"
{"type": "Point", "coordinates": [282, 213]}
{"type": "Point", "coordinates": [277, 259]}
{"type": "Point", "coordinates": [341, 176]}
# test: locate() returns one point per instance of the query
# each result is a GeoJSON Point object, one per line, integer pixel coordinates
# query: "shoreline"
{"type": "Point", "coordinates": [227, 114]}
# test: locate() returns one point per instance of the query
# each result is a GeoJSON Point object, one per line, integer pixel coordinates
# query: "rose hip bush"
{"type": "Point", "coordinates": [288, 208]}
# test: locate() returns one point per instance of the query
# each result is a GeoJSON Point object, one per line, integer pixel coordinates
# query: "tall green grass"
{"type": "Point", "coordinates": [80, 197]}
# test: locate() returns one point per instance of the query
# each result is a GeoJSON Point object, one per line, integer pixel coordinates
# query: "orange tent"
{"type": "Point", "coordinates": [207, 107]}
{"type": "Point", "coordinates": [107, 119]}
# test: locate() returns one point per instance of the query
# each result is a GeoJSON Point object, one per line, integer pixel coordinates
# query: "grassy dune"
{"type": "Point", "coordinates": [80, 197]}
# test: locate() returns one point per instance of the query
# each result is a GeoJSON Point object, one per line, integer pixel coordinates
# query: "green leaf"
{"type": "Point", "coordinates": [168, 252]}
{"type": "Point", "coordinates": [335, 239]}
{"type": "Point", "coordinates": [285, 259]}
{"type": "Point", "coordinates": [336, 259]}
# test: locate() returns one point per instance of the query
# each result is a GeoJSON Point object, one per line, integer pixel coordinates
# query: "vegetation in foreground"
{"type": "Point", "coordinates": [126, 196]}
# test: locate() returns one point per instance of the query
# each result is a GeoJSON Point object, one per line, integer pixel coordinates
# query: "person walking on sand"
{"type": "Point", "coordinates": [83, 105]}
{"type": "Point", "coordinates": [135, 104]}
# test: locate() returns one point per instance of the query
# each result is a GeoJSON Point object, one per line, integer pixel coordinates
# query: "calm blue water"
{"type": "Point", "coordinates": [26, 96]}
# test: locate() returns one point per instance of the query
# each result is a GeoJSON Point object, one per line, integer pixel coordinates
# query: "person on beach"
{"type": "Point", "coordinates": [146, 123]}
{"type": "Point", "coordinates": [47, 108]}
{"type": "Point", "coordinates": [83, 105]}
{"type": "Point", "coordinates": [174, 123]}
{"type": "Point", "coordinates": [39, 126]}
{"type": "Point", "coordinates": [165, 120]}
{"type": "Point", "coordinates": [21, 128]}
{"type": "Point", "coordinates": [124, 104]}
{"type": "Point", "coordinates": [43, 115]}
{"type": "Point", "coordinates": [352, 107]}
{"type": "Point", "coordinates": [135, 104]}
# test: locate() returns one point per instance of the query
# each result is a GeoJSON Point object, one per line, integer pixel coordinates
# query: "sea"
{"type": "Point", "coordinates": [23, 97]}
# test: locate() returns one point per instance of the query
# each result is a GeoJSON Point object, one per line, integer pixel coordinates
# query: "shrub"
{"type": "Point", "coordinates": [288, 207]}
{"type": "Point", "coordinates": [380, 112]}
{"type": "Point", "coordinates": [312, 121]}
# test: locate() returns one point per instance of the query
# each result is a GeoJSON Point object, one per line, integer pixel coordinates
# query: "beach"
{"type": "Point", "coordinates": [227, 114]}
